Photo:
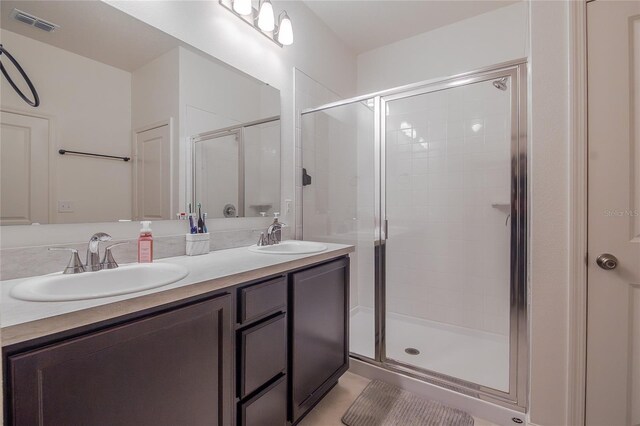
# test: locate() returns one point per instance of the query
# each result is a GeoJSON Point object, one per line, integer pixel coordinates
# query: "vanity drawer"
{"type": "Point", "coordinates": [262, 354]}
{"type": "Point", "coordinates": [259, 300]}
{"type": "Point", "coordinates": [269, 407]}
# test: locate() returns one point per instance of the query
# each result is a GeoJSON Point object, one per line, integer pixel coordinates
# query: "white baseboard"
{"type": "Point", "coordinates": [476, 407]}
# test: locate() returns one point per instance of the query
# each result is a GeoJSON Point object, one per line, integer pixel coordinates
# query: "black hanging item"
{"type": "Point", "coordinates": [306, 179]}
{"type": "Point", "coordinates": [36, 98]}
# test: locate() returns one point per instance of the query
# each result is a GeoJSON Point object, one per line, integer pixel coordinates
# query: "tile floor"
{"type": "Point", "coordinates": [330, 410]}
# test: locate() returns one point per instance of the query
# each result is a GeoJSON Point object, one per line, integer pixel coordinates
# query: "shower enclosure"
{"type": "Point", "coordinates": [428, 181]}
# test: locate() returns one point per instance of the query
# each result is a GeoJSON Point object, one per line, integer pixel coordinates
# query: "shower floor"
{"type": "Point", "coordinates": [472, 355]}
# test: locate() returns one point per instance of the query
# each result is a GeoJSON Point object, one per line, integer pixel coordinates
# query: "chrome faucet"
{"type": "Point", "coordinates": [274, 231]}
{"type": "Point", "coordinates": [273, 234]}
{"type": "Point", "coordinates": [93, 252]}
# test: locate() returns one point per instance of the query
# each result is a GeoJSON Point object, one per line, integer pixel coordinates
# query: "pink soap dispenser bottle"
{"type": "Point", "coordinates": [145, 243]}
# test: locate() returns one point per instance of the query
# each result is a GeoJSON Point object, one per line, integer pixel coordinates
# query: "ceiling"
{"type": "Point", "coordinates": [367, 24]}
{"type": "Point", "coordinates": [92, 29]}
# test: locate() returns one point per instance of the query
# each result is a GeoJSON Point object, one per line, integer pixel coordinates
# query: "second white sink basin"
{"type": "Point", "coordinates": [290, 247]}
{"type": "Point", "coordinates": [92, 285]}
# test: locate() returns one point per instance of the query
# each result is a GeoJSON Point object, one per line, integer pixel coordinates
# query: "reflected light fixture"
{"type": "Point", "coordinates": [243, 7]}
{"type": "Point", "coordinates": [285, 31]}
{"type": "Point", "coordinates": [266, 19]}
{"type": "Point", "coordinates": [263, 19]}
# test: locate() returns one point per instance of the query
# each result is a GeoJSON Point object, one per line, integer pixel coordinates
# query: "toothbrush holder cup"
{"type": "Point", "coordinates": [197, 244]}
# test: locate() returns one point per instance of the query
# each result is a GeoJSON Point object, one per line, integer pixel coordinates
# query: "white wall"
{"type": "Point", "coordinates": [487, 39]}
{"type": "Point", "coordinates": [89, 104]}
{"type": "Point", "coordinates": [550, 221]}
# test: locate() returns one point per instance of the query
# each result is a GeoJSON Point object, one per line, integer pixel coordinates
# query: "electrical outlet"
{"type": "Point", "coordinates": [65, 207]}
{"type": "Point", "coordinates": [287, 207]}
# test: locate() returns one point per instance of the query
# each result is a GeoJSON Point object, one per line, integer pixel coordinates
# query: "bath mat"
{"type": "Point", "coordinates": [381, 404]}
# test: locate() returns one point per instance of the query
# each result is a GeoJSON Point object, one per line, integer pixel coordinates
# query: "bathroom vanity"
{"type": "Point", "coordinates": [244, 339]}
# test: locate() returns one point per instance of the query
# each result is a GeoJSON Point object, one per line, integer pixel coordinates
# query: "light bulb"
{"type": "Point", "coordinates": [266, 20]}
{"type": "Point", "coordinates": [243, 7]}
{"type": "Point", "coordinates": [285, 30]}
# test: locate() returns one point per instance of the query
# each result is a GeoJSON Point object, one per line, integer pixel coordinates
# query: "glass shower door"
{"type": "Point", "coordinates": [339, 156]}
{"type": "Point", "coordinates": [448, 205]}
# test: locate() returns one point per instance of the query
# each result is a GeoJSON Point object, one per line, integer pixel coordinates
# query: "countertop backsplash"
{"type": "Point", "coordinates": [21, 262]}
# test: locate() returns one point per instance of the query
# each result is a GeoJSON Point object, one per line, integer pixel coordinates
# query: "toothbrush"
{"type": "Point", "coordinates": [200, 221]}
{"type": "Point", "coordinates": [204, 224]}
{"type": "Point", "coordinates": [192, 227]}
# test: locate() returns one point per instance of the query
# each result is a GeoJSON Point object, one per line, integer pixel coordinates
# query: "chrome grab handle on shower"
{"type": "Point", "coordinates": [607, 261]}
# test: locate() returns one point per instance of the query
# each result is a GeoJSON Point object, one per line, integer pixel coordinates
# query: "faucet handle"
{"type": "Point", "coordinates": [262, 240]}
{"type": "Point", "coordinates": [108, 262]}
{"type": "Point", "coordinates": [75, 265]}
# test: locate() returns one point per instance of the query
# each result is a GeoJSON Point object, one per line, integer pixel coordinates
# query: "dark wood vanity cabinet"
{"type": "Point", "coordinates": [319, 348]}
{"type": "Point", "coordinates": [170, 369]}
{"type": "Point", "coordinates": [261, 347]}
{"type": "Point", "coordinates": [257, 354]}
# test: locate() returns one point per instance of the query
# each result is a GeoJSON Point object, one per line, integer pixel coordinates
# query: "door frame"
{"type": "Point", "coordinates": [578, 198]}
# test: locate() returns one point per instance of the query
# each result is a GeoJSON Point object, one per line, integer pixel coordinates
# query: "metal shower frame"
{"type": "Point", "coordinates": [516, 71]}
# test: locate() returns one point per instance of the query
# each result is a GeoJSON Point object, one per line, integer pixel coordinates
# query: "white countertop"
{"type": "Point", "coordinates": [22, 320]}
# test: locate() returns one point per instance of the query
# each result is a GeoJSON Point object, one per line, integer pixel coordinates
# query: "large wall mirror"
{"type": "Point", "coordinates": [132, 123]}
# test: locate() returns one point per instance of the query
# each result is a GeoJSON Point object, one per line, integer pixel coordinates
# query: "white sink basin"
{"type": "Point", "coordinates": [290, 247]}
{"type": "Point", "coordinates": [92, 285]}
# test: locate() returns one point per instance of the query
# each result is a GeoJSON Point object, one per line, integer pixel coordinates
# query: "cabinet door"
{"type": "Point", "coordinates": [171, 369]}
{"type": "Point", "coordinates": [319, 332]}
{"type": "Point", "coordinates": [268, 408]}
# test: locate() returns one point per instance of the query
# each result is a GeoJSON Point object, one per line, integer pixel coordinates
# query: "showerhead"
{"type": "Point", "coordinates": [501, 83]}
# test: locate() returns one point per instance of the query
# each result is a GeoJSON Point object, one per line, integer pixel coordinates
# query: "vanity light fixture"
{"type": "Point", "coordinates": [285, 31]}
{"type": "Point", "coordinates": [263, 19]}
{"type": "Point", "coordinates": [266, 19]}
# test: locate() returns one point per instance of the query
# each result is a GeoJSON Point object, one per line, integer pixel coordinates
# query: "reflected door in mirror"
{"type": "Point", "coordinates": [24, 169]}
{"type": "Point", "coordinates": [153, 174]}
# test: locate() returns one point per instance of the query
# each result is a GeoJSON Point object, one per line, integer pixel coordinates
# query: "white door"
{"type": "Point", "coordinates": [24, 169]}
{"type": "Point", "coordinates": [613, 326]}
{"type": "Point", "coordinates": [152, 185]}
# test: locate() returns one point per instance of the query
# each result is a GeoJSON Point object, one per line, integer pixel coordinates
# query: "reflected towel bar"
{"type": "Point", "coordinates": [113, 157]}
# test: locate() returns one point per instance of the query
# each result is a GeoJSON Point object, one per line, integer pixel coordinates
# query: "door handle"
{"type": "Point", "coordinates": [607, 261]}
